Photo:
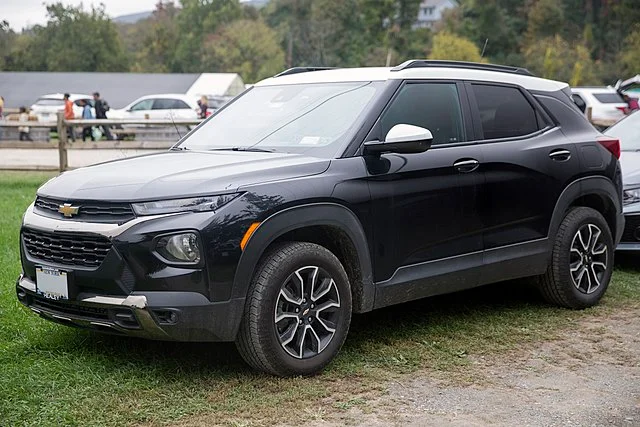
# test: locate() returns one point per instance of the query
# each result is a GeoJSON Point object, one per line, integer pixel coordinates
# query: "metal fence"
{"type": "Point", "coordinates": [139, 136]}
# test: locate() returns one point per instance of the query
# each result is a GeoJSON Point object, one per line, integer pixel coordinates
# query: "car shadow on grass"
{"type": "Point", "coordinates": [454, 317]}
{"type": "Point", "coordinates": [369, 329]}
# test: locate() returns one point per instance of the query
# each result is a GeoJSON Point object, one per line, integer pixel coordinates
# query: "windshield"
{"type": "Point", "coordinates": [314, 119]}
{"type": "Point", "coordinates": [46, 102]}
{"type": "Point", "coordinates": [628, 132]}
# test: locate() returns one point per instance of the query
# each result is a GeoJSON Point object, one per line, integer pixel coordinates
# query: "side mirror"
{"type": "Point", "coordinates": [402, 138]}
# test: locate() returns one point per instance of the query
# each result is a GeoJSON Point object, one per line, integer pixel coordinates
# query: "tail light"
{"type": "Point", "coordinates": [623, 109]}
{"type": "Point", "coordinates": [611, 144]}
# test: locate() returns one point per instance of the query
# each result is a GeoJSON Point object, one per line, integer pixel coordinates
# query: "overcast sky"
{"type": "Point", "coordinates": [22, 13]}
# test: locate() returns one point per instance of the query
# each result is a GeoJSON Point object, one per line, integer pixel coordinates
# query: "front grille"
{"type": "Point", "coordinates": [90, 211]}
{"type": "Point", "coordinates": [71, 309]}
{"type": "Point", "coordinates": [86, 250]}
{"type": "Point", "coordinates": [632, 222]}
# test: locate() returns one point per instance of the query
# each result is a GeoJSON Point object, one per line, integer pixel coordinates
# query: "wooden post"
{"type": "Point", "coordinates": [62, 142]}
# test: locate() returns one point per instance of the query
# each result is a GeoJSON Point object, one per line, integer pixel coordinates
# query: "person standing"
{"type": "Point", "coordinates": [204, 106]}
{"type": "Point", "coordinates": [24, 130]}
{"type": "Point", "coordinates": [69, 115]}
{"type": "Point", "coordinates": [102, 106]}
{"type": "Point", "coordinates": [87, 115]}
{"type": "Point", "coordinates": [632, 103]}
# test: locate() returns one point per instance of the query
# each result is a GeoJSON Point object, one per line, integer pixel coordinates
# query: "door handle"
{"type": "Point", "coordinates": [467, 165]}
{"type": "Point", "coordinates": [560, 155]}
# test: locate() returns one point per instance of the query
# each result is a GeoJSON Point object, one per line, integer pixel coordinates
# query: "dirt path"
{"type": "Point", "coordinates": [590, 376]}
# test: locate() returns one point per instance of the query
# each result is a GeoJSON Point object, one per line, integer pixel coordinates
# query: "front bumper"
{"type": "Point", "coordinates": [158, 315]}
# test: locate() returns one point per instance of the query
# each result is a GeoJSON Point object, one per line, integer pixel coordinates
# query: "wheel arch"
{"type": "Point", "coordinates": [330, 225]}
{"type": "Point", "coordinates": [592, 192]}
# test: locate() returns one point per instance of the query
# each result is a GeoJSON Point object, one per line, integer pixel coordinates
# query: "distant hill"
{"type": "Point", "coordinates": [132, 18]}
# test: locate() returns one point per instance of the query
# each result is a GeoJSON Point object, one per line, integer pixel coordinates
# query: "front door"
{"type": "Point", "coordinates": [426, 230]}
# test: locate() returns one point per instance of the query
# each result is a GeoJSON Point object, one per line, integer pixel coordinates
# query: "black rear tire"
{"type": "Point", "coordinates": [274, 294]}
{"type": "Point", "coordinates": [580, 271]}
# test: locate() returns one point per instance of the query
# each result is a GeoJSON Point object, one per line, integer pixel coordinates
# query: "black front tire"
{"type": "Point", "coordinates": [260, 339]}
{"type": "Point", "coordinates": [562, 284]}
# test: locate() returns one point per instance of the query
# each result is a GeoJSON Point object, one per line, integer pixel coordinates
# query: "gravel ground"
{"type": "Point", "coordinates": [590, 376]}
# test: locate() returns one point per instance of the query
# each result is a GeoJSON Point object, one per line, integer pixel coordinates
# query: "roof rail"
{"type": "Point", "coordinates": [425, 63]}
{"type": "Point", "coordinates": [298, 70]}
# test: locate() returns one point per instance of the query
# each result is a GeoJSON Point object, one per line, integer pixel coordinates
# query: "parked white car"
{"type": "Point", "coordinates": [607, 106]}
{"type": "Point", "coordinates": [161, 107]}
{"type": "Point", "coordinates": [46, 107]}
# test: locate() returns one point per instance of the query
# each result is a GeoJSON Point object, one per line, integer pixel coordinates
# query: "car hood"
{"type": "Point", "coordinates": [630, 163]}
{"type": "Point", "coordinates": [176, 174]}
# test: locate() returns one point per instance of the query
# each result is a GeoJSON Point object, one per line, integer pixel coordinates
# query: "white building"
{"type": "Point", "coordinates": [431, 11]}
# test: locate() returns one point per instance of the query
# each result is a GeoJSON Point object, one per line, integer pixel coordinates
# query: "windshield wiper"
{"type": "Point", "coordinates": [180, 148]}
{"type": "Point", "coordinates": [254, 149]}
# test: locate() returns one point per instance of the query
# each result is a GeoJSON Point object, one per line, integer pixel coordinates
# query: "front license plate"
{"type": "Point", "coordinates": [52, 283]}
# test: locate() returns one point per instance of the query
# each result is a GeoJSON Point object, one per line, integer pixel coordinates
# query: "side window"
{"type": "Point", "coordinates": [163, 104]}
{"type": "Point", "coordinates": [505, 112]}
{"type": "Point", "coordinates": [179, 104]}
{"type": "Point", "coordinates": [577, 99]}
{"type": "Point", "coordinates": [143, 105]}
{"type": "Point", "coordinates": [434, 106]}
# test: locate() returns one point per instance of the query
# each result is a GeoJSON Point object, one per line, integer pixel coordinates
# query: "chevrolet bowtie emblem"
{"type": "Point", "coordinates": [68, 210]}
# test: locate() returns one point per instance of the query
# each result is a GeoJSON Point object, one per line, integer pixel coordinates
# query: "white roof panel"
{"type": "Point", "coordinates": [436, 73]}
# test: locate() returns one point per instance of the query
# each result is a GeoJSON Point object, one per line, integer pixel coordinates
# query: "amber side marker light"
{"type": "Point", "coordinates": [248, 234]}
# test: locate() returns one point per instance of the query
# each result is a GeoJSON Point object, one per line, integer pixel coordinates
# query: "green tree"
{"type": "Point", "coordinates": [247, 47]}
{"type": "Point", "coordinates": [546, 19]}
{"type": "Point", "coordinates": [7, 41]}
{"type": "Point", "coordinates": [152, 42]}
{"type": "Point", "coordinates": [452, 47]}
{"type": "Point", "coordinates": [497, 23]}
{"type": "Point", "coordinates": [629, 57]}
{"type": "Point", "coordinates": [555, 58]}
{"type": "Point", "coordinates": [75, 40]}
{"type": "Point", "coordinates": [195, 22]}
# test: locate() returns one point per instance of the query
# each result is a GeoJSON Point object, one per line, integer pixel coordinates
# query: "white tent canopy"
{"type": "Point", "coordinates": [217, 84]}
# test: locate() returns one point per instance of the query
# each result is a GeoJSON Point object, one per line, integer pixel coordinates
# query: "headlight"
{"type": "Point", "coordinates": [631, 195]}
{"type": "Point", "coordinates": [181, 247]}
{"type": "Point", "coordinates": [194, 204]}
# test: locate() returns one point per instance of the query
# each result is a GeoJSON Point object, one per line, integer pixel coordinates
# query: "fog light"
{"type": "Point", "coordinates": [180, 248]}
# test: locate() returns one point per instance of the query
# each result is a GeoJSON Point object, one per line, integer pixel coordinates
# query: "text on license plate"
{"type": "Point", "coordinates": [52, 283]}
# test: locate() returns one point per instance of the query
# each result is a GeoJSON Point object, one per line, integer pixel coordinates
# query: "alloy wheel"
{"type": "Point", "coordinates": [589, 258]}
{"type": "Point", "coordinates": [306, 312]}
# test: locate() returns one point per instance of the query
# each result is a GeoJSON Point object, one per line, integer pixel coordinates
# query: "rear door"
{"type": "Point", "coordinates": [527, 161]}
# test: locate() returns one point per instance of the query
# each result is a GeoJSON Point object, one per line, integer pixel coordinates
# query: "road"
{"type": "Point", "coordinates": [47, 159]}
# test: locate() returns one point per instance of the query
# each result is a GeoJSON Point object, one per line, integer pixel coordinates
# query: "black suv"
{"type": "Point", "coordinates": [321, 193]}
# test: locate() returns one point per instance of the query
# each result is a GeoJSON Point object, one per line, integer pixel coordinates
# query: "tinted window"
{"type": "Point", "coordinates": [49, 102]}
{"type": "Point", "coordinates": [163, 104]}
{"type": "Point", "coordinates": [143, 105]}
{"type": "Point", "coordinates": [434, 106]}
{"type": "Point", "coordinates": [504, 112]}
{"type": "Point", "coordinates": [577, 99]}
{"type": "Point", "coordinates": [178, 104]}
{"type": "Point", "coordinates": [609, 98]}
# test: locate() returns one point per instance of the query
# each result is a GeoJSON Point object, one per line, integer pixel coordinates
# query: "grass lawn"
{"type": "Point", "coordinates": [55, 375]}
